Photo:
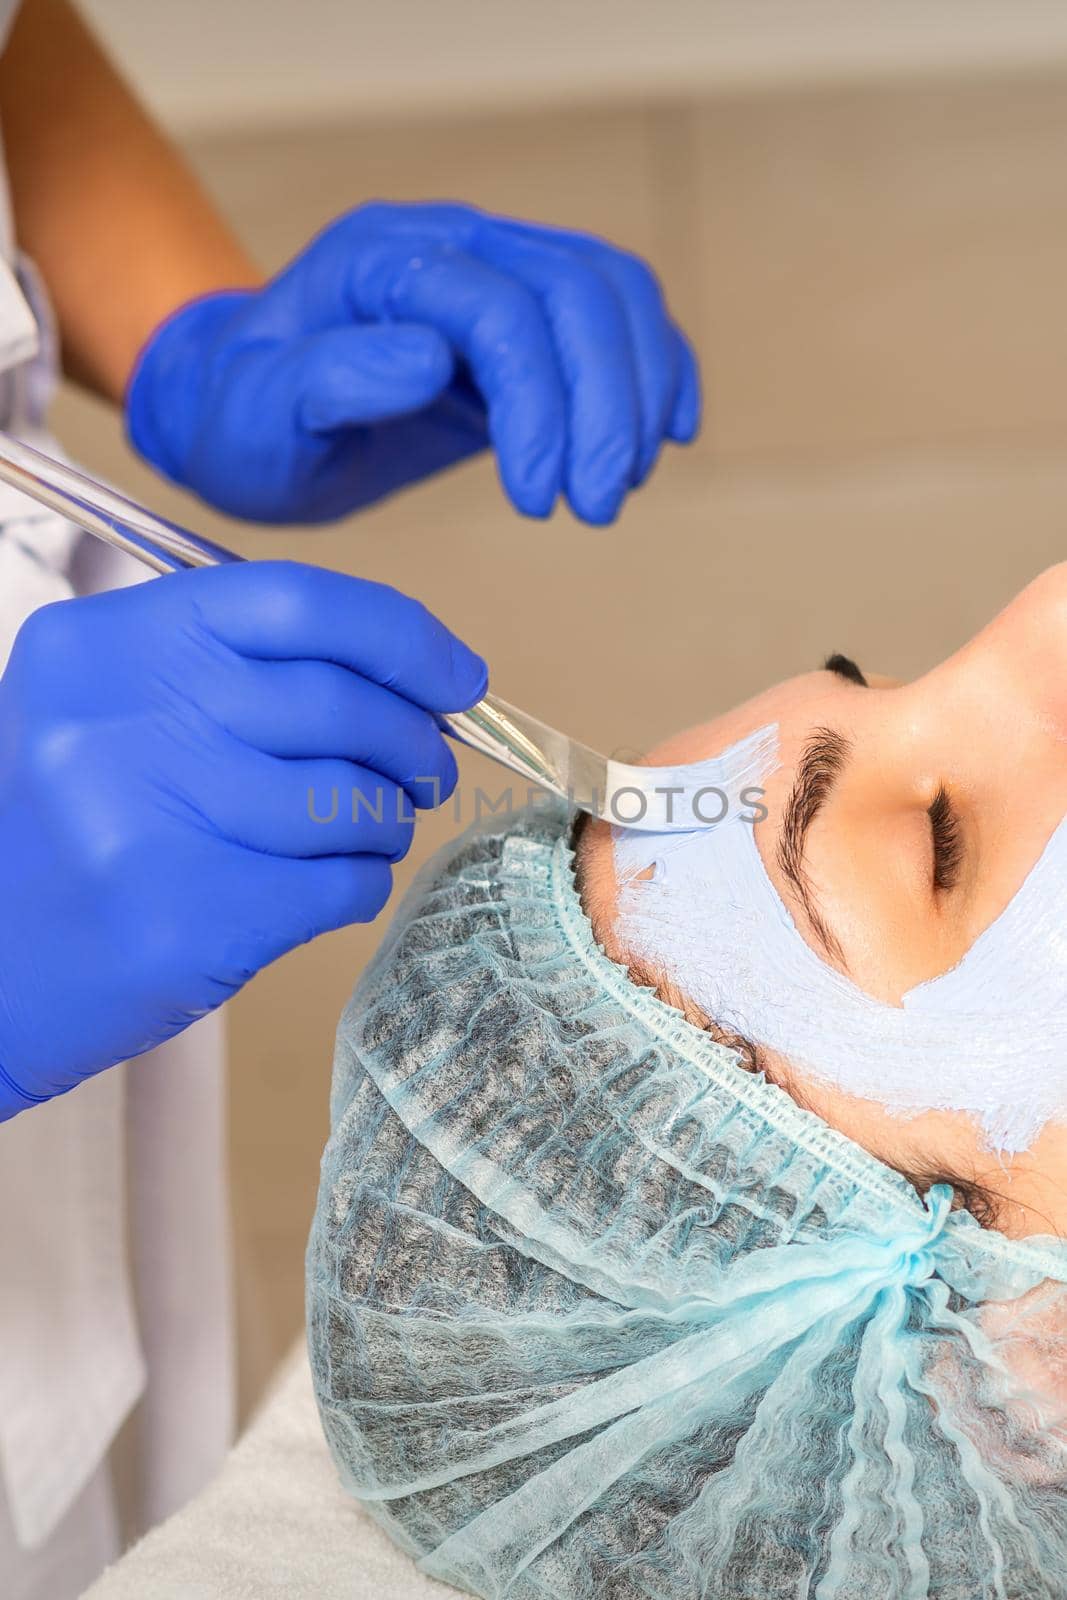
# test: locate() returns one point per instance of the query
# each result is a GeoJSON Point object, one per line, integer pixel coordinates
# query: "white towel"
{"type": "Point", "coordinates": [274, 1525]}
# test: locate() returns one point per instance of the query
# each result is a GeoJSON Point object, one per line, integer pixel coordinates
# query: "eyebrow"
{"type": "Point", "coordinates": [824, 758]}
{"type": "Point", "coordinates": [844, 667]}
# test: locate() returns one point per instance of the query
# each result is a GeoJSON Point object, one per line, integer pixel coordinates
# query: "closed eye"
{"type": "Point", "coordinates": [947, 838]}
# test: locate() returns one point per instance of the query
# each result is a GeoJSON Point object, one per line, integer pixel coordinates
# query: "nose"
{"type": "Point", "coordinates": [1018, 664]}
{"type": "Point", "coordinates": [1030, 636]}
{"type": "Point", "coordinates": [992, 722]}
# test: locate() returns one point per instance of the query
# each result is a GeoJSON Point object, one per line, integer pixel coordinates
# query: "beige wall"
{"type": "Point", "coordinates": [251, 62]}
{"type": "Point", "coordinates": [875, 280]}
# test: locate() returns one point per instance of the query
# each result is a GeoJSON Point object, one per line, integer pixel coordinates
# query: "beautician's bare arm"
{"type": "Point", "coordinates": [117, 223]}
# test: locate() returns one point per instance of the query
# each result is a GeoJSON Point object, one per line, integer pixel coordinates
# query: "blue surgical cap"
{"type": "Point", "coordinates": [595, 1312]}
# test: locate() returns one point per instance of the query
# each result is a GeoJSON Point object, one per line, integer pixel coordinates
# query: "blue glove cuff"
{"type": "Point", "coordinates": [164, 394]}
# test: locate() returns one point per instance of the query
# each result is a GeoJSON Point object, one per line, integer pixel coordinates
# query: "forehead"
{"type": "Point", "coordinates": [804, 698]}
{"type": "Point", "coordinates": [792, 705]}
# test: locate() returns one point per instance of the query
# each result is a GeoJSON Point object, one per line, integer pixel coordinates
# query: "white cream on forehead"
{"type": "Point", "coordinates": [988, 1038]}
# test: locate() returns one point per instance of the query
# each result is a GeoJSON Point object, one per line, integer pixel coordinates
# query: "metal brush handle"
{"type": "Point", "coordinates": [164, 546]}
{"type": "Point", "coordinates": [492, 726]}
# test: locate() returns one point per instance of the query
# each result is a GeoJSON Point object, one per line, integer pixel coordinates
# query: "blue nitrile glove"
{"type": "Point", "coordinates": [404, 338]}
{"type": "Point", "coordinates": [179, 767]}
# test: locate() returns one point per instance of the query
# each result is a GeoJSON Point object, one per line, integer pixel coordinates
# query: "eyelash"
{"type": "Point", "coordinates": [947, 841]}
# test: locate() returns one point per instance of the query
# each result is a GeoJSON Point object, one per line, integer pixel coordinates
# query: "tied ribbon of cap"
{"type": "Point", "coordinates": [765, 1327]}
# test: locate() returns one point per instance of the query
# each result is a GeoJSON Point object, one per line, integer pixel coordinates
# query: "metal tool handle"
{"type": "Point", "coordinates": [164, 546]}
{"type": "Point", "coordinates": [492, 726]}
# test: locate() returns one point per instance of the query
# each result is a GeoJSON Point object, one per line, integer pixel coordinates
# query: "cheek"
{"type": "Point", "coordinates": [926, 1147]}
{"type": "Point", "coordinates": [860, 1120]}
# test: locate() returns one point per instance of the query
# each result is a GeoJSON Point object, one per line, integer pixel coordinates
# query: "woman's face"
{"type": "Point", "coordinates": [939, 798]}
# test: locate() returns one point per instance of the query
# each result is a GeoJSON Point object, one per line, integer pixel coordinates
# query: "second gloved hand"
{"type": "Point", "coordinates": [403, 339]}
{"type": "Point", "coordinates": [196, 775]}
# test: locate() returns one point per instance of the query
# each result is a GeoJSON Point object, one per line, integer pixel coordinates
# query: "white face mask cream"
{"type": "Point", "coordinates": [988, 1038]}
